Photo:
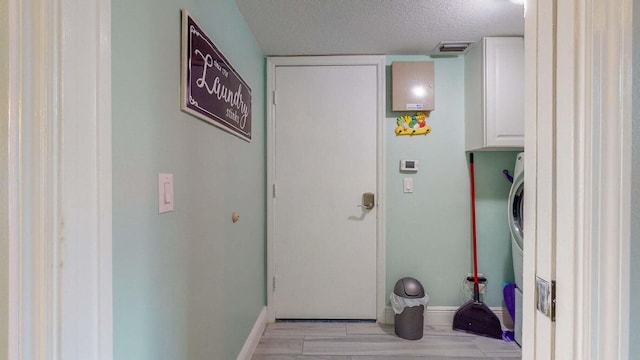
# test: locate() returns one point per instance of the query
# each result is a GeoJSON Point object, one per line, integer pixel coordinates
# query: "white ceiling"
{"type": "Point", "coordinates": [340, 27]}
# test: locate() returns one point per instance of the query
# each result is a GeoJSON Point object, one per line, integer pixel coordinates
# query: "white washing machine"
{"type": "Point", "coordinates": [516, 222]}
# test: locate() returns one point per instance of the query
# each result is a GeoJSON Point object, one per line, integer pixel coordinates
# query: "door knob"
{"type": "Point", "coordinates": [368, 201]}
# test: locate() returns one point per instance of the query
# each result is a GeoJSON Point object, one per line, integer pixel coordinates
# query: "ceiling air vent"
{"type": "Point", "coordinates": [451, 47]}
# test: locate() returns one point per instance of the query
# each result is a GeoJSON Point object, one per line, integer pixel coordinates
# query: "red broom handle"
{"type": "Point", "coordinates": [473, 221]}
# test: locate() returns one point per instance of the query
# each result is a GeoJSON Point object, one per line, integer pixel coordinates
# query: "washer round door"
{"type": "Point", "coordinates": [515, 209]}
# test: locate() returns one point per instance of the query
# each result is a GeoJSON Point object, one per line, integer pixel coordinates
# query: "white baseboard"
{"type": "Point", "coordinates": [438, 315]}
{"type": "Point", "coordinates": [254, 336]}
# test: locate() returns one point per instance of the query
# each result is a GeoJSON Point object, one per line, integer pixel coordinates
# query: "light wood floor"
{"type": "Point", "coordinates": [369, 341]}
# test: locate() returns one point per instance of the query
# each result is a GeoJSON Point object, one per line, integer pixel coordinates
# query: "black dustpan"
{"type": "Point", "coordinates": [475, 317]}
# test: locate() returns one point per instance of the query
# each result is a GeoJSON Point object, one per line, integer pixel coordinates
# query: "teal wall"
{"type": "Point", "coordinates": [190, 284]}
{"type": "Point", "coordinates": [429, 231]}
{"type": "Point", "coordinates": [187, 284]}
{"type": "Point", "coordinates": [635, 192]}
{"type": "Point", "coordinates": [494, 238]}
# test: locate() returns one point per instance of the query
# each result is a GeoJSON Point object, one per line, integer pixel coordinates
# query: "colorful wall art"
{"type": "Point", "coordinates": [413, 124]}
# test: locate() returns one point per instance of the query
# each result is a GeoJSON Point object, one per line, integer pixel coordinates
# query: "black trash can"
{"type": "Point", "coordinates": [410, 322]}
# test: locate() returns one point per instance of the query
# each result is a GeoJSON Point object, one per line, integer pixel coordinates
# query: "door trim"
{"type": "Point", "coordinates": [59, 179]}
{"type": "Point", "coordinates": [603, 129]}
{"type": "Point", "coordinates": [590, 176]}
{"type": "Point", "coordinates": [539, 172]}
{"type": "Point", "coordinates": [379, 62]}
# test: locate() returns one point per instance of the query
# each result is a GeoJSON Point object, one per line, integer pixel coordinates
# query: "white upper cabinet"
{"type": "Point", "coordinates": [494, 94]}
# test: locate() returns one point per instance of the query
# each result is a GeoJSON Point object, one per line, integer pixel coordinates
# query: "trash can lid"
{"type": "Point", "coordinates": [409, 288]}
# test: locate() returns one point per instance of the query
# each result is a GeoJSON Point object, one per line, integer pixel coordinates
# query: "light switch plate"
{"type": "Point", "coordinates": [165, 193]}
{"type": "Point", "coordinates": [408, 185]}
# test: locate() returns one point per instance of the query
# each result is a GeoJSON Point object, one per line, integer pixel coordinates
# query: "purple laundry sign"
{"type": "Point", "coordinates": [212, 90]}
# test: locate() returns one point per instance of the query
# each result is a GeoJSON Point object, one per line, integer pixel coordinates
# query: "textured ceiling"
{"type": "Point", "coordinates": [338, 27]}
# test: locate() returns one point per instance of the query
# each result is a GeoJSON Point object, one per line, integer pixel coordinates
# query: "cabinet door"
{"type": "Point", "coordinates": [504, 86]}
{"type": "Point", "coordinates": [412, 86]}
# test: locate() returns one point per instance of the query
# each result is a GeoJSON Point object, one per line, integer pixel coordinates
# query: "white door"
{"type": "Point", "coordinates": [325, 160]}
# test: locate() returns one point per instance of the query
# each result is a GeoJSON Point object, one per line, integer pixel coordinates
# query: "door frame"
{"type": "Point", "coordinates": [379, 63]}
{"type": "Point", "coordinates": [578, 144]}
{"type": "Point", "coordinates": [59, 179]}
